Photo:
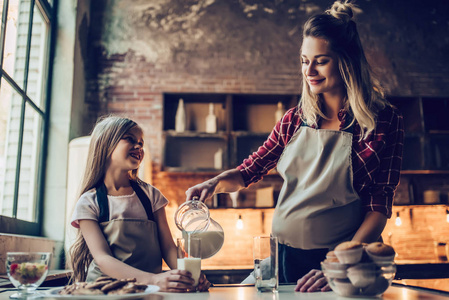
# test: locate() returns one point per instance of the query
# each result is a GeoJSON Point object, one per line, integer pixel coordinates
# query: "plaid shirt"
{"type": "Point", "coordinates": [376, 160]}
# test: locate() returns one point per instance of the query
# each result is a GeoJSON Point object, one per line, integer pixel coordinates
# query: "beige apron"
{"type": "Point", "coordinates": [133, 241]}
{"type": "Point", "coordinates": [317, 206]}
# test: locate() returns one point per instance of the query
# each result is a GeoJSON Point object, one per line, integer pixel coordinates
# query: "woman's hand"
{"type": "Point", "coordinates": [204, 191]}
{"type": "Point", "coordinates": [203, 283]}
{"type": "Point", "coordinates": [227, 182]}
{"type": "Point", "coordinates": [177, 281]}
{"type": "Point", "coordinates": [313, 281]}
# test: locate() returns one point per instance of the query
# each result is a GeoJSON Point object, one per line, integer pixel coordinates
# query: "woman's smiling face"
{"type": "Point", "coordinates": [320, 67]}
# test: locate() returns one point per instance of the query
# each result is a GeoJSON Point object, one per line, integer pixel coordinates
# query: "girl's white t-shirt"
{"type": "Point", "coordinates": [120, 207]}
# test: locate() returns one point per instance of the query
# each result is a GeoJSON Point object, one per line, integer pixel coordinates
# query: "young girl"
{"type": "Point", "coordinates": [123, 227]}
{"type": "Point", "coordinates": [339, 152]}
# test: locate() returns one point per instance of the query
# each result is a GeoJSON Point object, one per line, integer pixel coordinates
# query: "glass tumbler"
{"type": "Point", "coordinates": [189, 257]}
{"type": "Point", "coordinates": [265, 253]}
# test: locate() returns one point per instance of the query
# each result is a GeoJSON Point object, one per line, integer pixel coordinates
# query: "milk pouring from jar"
{"type": "Point", "coordinates": [193, 219]}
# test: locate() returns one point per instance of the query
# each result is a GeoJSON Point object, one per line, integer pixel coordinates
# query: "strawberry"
{"type": "Point", "coordinates": [13, 268]}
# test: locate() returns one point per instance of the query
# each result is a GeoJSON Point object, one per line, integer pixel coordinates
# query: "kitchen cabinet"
{"type": "Point", "coordinates": [244, 122]}
{"type": "Point", "coordinates": [426, 145]}
{"type": "Point", "coordinates": [425, 166]}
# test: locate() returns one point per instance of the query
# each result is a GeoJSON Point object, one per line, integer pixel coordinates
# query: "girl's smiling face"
{"type": "Point", "coordinates": [129, 151]}
{"type": "Point", "coordinates": [320, 67]}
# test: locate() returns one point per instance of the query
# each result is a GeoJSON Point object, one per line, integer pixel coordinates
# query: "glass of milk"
{"type": "Point", "coordinates": [189, 256]}
{"type": "Point", "coordinates": [265, 252]}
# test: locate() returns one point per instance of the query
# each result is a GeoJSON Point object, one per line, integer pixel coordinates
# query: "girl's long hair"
{"type": "Point", "coordinates": [104, 138]}
{"type": "Point", "coordinates": [364, 94]}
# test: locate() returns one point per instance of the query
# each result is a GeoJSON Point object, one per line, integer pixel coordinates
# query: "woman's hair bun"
{"type": "Point", "coordinates": [342, 10]}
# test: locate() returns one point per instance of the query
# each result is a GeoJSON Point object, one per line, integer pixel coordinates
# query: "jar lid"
{"type": "Point", "coordinates": [192, 216]}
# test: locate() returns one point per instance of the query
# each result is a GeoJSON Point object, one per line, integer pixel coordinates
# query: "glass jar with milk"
{"type": "Point", "coordinates": [193, 219]}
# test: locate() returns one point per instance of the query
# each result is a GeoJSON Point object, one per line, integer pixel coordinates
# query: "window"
{"type": "Point", "coordinates": [25, 59]}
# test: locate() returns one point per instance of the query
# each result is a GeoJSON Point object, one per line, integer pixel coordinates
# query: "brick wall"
{"type": "Point", "coordinates": [421, 227]}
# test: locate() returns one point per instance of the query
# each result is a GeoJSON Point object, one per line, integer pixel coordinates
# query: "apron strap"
{"type": "Point", "coordinates": [102, 198]}
{"type": "Point", "coordinates": [143, 199]}
{"type": "Point", "coordinates": [350, 129]}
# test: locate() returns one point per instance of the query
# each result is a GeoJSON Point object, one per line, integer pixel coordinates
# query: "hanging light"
{"type": "Point", "coordinates": [398, 221]}
{"type": "Point", "coordinates": [239, 224]}
{"type": "Point", "coordinates": [447, 215]}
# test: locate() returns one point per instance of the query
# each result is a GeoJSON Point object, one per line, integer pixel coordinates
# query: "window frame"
{"type": "Point", "coordinates": [13, 225]}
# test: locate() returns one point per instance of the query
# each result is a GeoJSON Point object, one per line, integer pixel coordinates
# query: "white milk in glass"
{"type": "Point", "coordinates": [211, 241]}
{"type": "Point", "coordinates": [191, 264]}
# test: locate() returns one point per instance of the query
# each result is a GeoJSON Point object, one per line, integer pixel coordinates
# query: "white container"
{"type": "Point", "coordinates": [211, 120]}
{"type": "Point", "coordinates": [431, 197]}
{"type": "Point", "coordinates": [180, 118]}
{"type": "Point", "coordinates": [279, 112]}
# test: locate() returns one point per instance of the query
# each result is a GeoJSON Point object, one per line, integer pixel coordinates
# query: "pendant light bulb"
{"type": "Point", "coordinates": [239, 224]}
{"type": "Point", "coordinates": [398, 221]}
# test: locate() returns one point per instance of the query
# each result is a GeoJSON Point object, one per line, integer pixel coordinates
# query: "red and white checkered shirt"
{"type": "Point", "coordinates": [376, 160]}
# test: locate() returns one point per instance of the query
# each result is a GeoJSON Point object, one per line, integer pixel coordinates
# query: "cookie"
{"type": "Point", "coordinates": [103, 278]}
{"type": "Point", "coordinates": [113, 285]}
{"type": "Point", "coordinates": [97, 285]}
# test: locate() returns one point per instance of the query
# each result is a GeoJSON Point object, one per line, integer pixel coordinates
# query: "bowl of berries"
{"type": "Point", "coordinates": [27, 271]}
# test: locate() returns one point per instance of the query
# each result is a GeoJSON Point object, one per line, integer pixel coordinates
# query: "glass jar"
{"type": "Point", "coordinates": [193, 219]}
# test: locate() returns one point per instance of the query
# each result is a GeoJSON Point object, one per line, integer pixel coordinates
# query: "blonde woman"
{"type": "Point", "coordinates": [339, 152]}
{"type": "Point", "coordinates": [123, 229]}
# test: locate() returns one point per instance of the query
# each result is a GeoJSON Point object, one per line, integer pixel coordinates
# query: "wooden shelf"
{"type": "Point", "coordinates": [423, 172]}
{"type": "Point", "coordinates": [195, 134]}
{"type": "Point", "coordinates": [244, 123]}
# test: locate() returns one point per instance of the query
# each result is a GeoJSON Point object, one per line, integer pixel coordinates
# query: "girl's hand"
{"type": "Point", "coordinates": [176, 281]}
{"type": "Point", "coordinates": [313, 281]}
{"type": "Point", "coordinates": [203, 283]}
{"type": "Point", "coordinates": [204, 191]}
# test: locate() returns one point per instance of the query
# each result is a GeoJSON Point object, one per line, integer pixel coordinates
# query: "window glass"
{"type": "Point", "coordinates": [32, 139]}
{"type": "Point", "coordinates": [10, 105]}
{"type": "Point", "coordinates": [22, 110]}
{"type": "Point", "coordinates": [36, 70]}
{"type": "Point", "coordinates": [16, 39]}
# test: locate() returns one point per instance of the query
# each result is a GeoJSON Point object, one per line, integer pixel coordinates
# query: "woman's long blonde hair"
{"type": "Point", "coordinates": [107, 133]}
{"type": "Point", "coordinates": [364, 94]}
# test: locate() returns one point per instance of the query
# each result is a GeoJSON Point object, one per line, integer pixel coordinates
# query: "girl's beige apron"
{"type": "Point", "coordinates": [317, 206]}
{"type": "Point", "coordinates": [133, 241]}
